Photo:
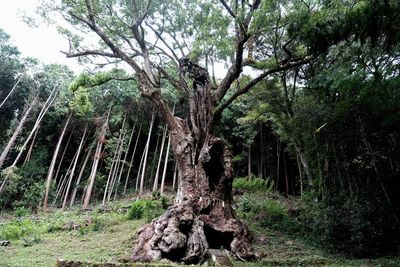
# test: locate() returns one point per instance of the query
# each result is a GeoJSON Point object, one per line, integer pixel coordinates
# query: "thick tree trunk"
{"type": "Point", "coordinates": [202, 216]}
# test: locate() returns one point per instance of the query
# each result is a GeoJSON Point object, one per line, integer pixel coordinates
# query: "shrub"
{"type": "Point", "coordinates": [165, 202]}
{"type": "Point", "coordinates": [275, 215]}
{"type": "Point", "coordinates": [253, 184]}
{"type": "Point", "coordinates": [145, 208]}
{"type": "Point", "coordinates": [17, 229]}
{"type": "Point", "coordinates": [136, 210]}
{"type": "Point", "coordinates": [267, 213]}
{"type": "Point", "coordinates": [22, 211]}
{"type": "Point", "coordinates": [361, 226]}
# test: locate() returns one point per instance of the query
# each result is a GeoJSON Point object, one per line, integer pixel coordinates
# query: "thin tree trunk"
{"type": "Point", "coordinates": [139, 171]}
{"type": "Point", "coordinates": [49, 101]}
{"type": "Point", "coordinates": [53, 163]}
{"type": "Point", "coordinates": [249, 174]}
{"type": "Point", "coordinates": [59, 188]}
{"type": "Point", "coordinates": [278, 154]}
{"type": "Point", "coordinates": [116, 167]}
{"type": "Point", "coordinates": [165, 166]}
{"type": "Point", "coordinates": [155, 185]}
{"type": "Point", "coordinates": [146, 153]}
{"type": "Point", "coordinates": [11, 91]}
{"type": "Point", "coordinates": [95, 162]}
{"type": "Point", "coordinates": [63, 189]}
{"type": "Point", "coordinates": [17, 131]}
{"type": "Point", "coordinates": [109, 176]}
{"type": "Point", "coordinates": [132, 157]}
{"type": "Point", "coordinates": [300, 173]}
{"type": "Point", "coordinates": [305, 165]}
{"type": "Point", "coordinates": [286, 176]}
{"type": "Point", "coordinates": [120, 150]}
{"type": "Point", "coordinates": [29, 154]}
{"type": "Point", "coordinates": [153, 161]}
{"type": "Point", "coordinates": [262, 163]}
{"type": "Point", "coordinates": [62, 183]}
{"type": "Point", "coordinates": [80, 177]}
{"type": "Point", "coordinates": [74, 166]}
{"type": "Point", "coordinates": [62, 156]}
{"type": "Point", "coordinates": [124, 160]}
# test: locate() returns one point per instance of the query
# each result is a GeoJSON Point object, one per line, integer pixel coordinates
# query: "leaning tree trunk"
{"type": "Point", "coordinates": [202, 216]}
{"type": "Point", "coordinates": [16, 133]}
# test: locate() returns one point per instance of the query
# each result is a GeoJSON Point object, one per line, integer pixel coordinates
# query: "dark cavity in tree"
{"type": "Point", "coordinates": [214, 168]}
{"type": "Point", "coordinates": [218, 239]}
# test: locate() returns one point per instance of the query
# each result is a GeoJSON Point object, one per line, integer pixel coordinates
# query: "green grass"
{"type": "Point", "coordinates": [111, 236]}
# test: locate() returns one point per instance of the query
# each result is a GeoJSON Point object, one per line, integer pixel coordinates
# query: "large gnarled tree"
{"type": "Point", "coordinates": [160, 41]}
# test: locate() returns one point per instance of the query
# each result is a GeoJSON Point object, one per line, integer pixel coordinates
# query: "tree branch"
{"type": "Point", "coordinates": [218, 111]}
{"type": "Point", "coordinates": [230, 11]}
{"type": "Point", "coordinates": [237, 65]}
{"type": "Point", "coordinates": [89, 53]}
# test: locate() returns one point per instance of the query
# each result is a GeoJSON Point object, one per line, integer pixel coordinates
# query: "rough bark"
{"type": "Point", "coordinates": [202, 216]}
{"type": "Point", "coordinates": [174, 177]}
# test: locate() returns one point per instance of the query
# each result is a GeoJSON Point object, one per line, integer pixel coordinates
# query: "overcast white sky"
{"type": "Point", "coordinates": [43, 43]}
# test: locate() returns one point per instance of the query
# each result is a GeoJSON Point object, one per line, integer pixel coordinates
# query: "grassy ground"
{"type": "Point", "coordinates": [109, 237]}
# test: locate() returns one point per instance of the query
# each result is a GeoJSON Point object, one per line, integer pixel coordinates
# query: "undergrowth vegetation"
{"type": "Point", "coordinates": [253, 184]}
{"type": "Point", "coordinates": [351, 226]}
{"type": "Point", "coordinates": [147, 209]}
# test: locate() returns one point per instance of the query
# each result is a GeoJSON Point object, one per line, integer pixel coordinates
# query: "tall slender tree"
{"type": "Point", "coordinates": [17, 131]}
{"type": "Point", "coordinates": [97, 154]}
{"type": "Point", "coordinates": [53, 163]}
